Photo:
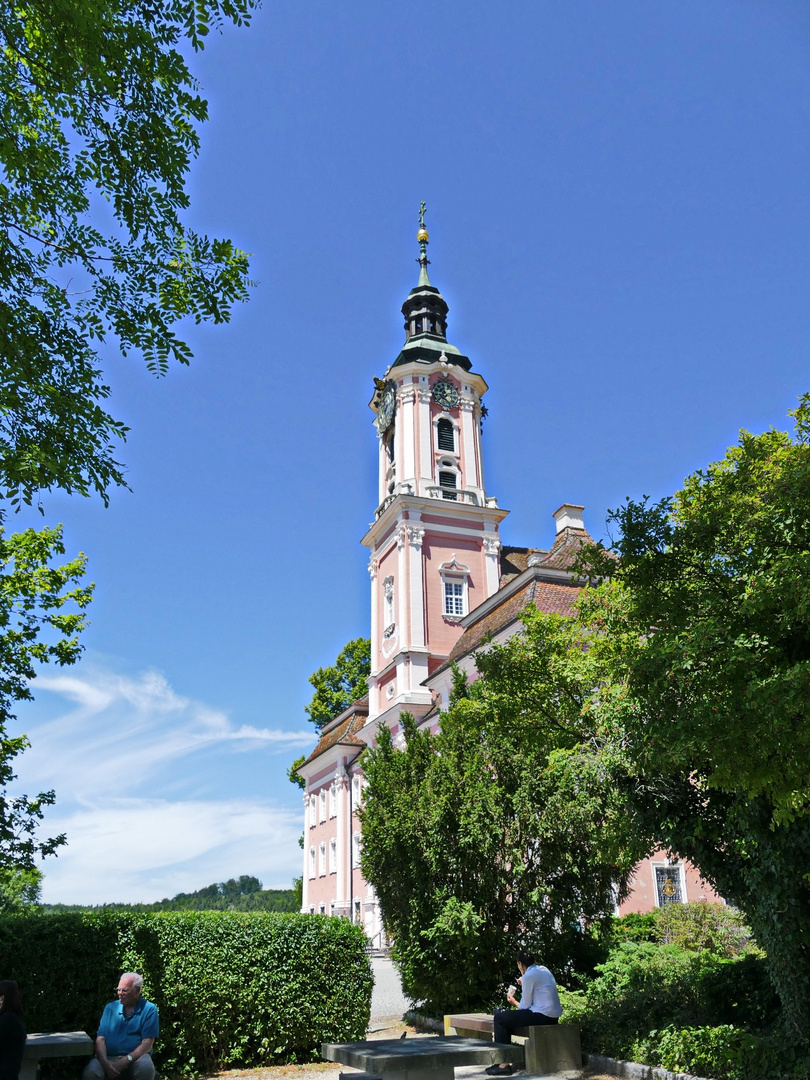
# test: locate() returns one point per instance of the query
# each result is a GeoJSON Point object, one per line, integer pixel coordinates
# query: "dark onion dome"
{"type": "Point", "coordinates": [425, 311]}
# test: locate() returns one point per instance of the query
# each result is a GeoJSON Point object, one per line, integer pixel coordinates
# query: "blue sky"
{"type": "Point", "coordinates": [619, 217]}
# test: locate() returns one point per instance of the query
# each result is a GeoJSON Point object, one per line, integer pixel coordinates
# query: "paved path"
{"type": "Point", "coordinates": [387, 999]}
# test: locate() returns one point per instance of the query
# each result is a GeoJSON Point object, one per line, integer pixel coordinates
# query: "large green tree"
{"type": "Point", "coordinates": [99, 117]}
{"type": "Point", "coordinates": [42, 611]}
{"type": "Point", "coordinates": [504, 830]}
{"type": "Point", "coordinates": [338, 685]}
{"type": "Point", "coordinates": [705, 631]}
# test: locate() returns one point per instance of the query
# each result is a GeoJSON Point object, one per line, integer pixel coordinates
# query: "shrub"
{"type": "Point", "coordinates": [713, 928]}
{"type": "Point", "coordinates": [639, 987]}
{"type": "Point", "coordinates": [233, 989]}
{"type": "Point", "coordinates": [697, 927]}
{"type": "Point", "coordinates": [723, 1052]}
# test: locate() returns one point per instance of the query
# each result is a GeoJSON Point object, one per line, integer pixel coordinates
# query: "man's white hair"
{"type": "Point", "coordinates": [137, 980]}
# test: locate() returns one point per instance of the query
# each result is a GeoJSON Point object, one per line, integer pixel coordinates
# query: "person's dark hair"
{"type": "Point", "coordinates": [525, 958]}
{"type": "Point", "coordinates": [10, 992]}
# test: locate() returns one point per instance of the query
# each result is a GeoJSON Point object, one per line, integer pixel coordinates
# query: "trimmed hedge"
{"type": "Point", "coordinates": [233, 988]}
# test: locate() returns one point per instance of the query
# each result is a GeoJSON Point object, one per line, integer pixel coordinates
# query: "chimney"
{"type": "Point", "coordinates": [569, 516]}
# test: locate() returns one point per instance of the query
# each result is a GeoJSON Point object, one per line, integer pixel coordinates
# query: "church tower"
{"type": "Point", "coordinates": [433, 545]}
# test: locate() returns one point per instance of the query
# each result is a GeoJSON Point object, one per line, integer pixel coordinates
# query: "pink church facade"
{"type": "Point", "coordinates": [441, 582]}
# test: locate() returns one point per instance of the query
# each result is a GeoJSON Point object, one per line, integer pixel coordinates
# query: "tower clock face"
{"type": "Point", "coordinates": [445, 394]}
{"type": "Point", "coordinates": [385, 413]}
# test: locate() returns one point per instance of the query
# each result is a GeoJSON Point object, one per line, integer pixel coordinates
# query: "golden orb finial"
{"type": "Point", "coordinates": [422, 236]}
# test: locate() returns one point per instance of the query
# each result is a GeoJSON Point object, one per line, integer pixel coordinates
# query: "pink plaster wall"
{"type": "Point", "coordinates": [643, 894]}
{"type": "Point", "coordinates": [442, 635]}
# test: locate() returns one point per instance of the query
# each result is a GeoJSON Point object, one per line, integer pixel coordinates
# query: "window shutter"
{"type": "Point", "coordinates": [446, 434]}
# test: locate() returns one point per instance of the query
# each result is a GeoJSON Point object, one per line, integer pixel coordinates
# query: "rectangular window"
{"type": "Point", "coordinates": [453, 598]}
{"type": "Point", "coordinates": [322, 859]}
{"type": "Point", "coordinates": [333, 856]}
{"type": "Point", "coordinates": [668, 885]}
{"type": "Point", "coordinates": [312, 862]}
{"type": "Point", "coordinates": [332, 803]}
{"type": "Point", "coordinates": [322, 801]}
{"type": "Point", "coordinates": [356, 844]}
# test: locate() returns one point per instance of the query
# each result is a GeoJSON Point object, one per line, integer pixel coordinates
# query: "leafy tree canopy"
{"type": "Point", "coordinates": [504, 830]}
{"type": "Point", "coordinates": [20, 888]}
{"type": "Point", "coordinates": [42, 611]}
{"type": "Point", "coordinates": [704, 635]}
{"type": "Point", "coordinates": [99, 118]}
{"type": "Point", "coordinates": [721, 573]}
{"type": "Point", "coordinates": [336, 687]}
{"type": "Point", "coordinates": [98, 124]}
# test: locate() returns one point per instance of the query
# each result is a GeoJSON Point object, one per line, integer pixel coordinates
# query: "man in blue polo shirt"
{"type": "Point", "coordinates": [126, 1035]}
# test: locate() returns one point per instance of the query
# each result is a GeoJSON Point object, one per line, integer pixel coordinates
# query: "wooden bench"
{"type": "Point", "coordinates": [549, 1048]}
{"type": "Point", "coordinates": [426, 1058]}
{"type": "Point", "coordinates": [53, 1044]}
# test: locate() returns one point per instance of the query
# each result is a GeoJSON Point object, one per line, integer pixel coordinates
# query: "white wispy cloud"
{"type": "Point", "coordinates": [119, 753]}
{"type": "Point", "coordinates": [144, 850]}
{"type": "Point", "coordinates": [123, 730]}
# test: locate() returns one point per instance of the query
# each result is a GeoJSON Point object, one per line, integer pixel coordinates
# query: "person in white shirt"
{"type": "Point", "coordinates": [539, 1004]}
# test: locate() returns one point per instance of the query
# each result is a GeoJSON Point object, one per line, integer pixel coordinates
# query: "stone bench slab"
{"type": "Point", "coordinates": [53, 1044]}
{"type": "Point", "coordinates": [430, 1058]}
{"type": "Point", "coordinates": [550, 1049]}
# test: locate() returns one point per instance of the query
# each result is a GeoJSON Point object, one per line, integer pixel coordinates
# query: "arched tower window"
{"type": "Point", "coordinates": [448, 484]}
{"type": "Point", "coordinates": [446, 435]}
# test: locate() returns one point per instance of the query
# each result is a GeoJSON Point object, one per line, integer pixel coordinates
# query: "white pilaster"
{"type": "Point", "coordinates": [341, 885]}
{"type": "Point", "coordinates": [305, 863]}
{"type": "Point", "coordinates": [403, 586]}
{"type": "Point", "coordinates": [383, 467]}
{"type": "Point", "coordinates": [416, 585]}
{"type": "Point", "coordinates": [470, 457]}
{"type": "Point", "coordinates": [492, 547]}
{"type": "Point", "coordinates": [373, 566]}
{"type": "Point", "coordinates": [425, 439]}
{"type": "Point", "coordinates": [408, 434]}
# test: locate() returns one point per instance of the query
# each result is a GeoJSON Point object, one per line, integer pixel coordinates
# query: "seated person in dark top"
{"type": "Point", "coordinates": [539, 1004]}
{"type": "Point", "coordinates": [12, 1030]}
{"type": "Point", "coordinates": [126, 1035]}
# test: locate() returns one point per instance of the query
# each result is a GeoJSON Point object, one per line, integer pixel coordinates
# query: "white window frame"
{"type": "Point", "coordinates": [455, 575]}
{"type": "Point", "coordinates": [322, 859]}
{"type": "Point", "coordinates": [670, 864]}
{"type": "Point", "coordinates": [357, 791]}
{"type": "Point", "coordinates": [322, 805]}
{"type": "Point", "coordinates": [456, 437]}
{"type": "Point", "coordinates": [357, 847]}
{"type": "Point", "coordinates": [333, 855]}
{"type": "Point", "coordinates": [312, 862]}
{"type": "Point", "coordinates": [332, 801]}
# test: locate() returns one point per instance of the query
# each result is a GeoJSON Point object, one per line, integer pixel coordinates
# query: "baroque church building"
{"type": "Point", "coordinates": [442, 582]}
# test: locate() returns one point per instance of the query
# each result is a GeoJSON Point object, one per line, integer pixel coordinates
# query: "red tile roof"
{"type": "Point", "coordinates": [551, 597]}
{"type": "Point", "coordinates": [343, 732]}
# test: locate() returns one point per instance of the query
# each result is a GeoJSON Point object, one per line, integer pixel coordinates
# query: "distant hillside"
{"type": "Point", "coordinates": [242, 894]}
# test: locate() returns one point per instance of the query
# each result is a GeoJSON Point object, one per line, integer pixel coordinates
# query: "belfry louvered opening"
{"type": "Point", "coordinates": [448, 483]}
{"type": "Point", "coordinates": [446, 435]}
